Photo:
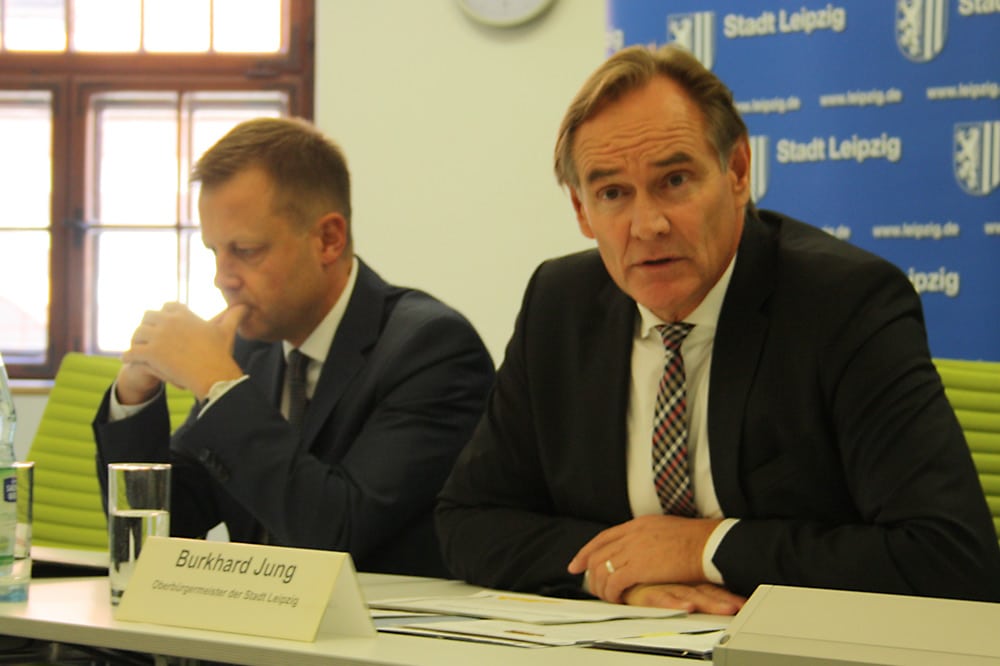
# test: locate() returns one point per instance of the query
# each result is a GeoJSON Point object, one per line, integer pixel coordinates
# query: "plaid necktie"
{"type": "Point", "coordinates": [297, 401]}
{"type": "Point", "coordinates": [670, 428]}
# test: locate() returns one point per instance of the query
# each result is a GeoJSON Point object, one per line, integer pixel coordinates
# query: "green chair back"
{"type": "Point", "coordinates": [973, 388]}
{"type": "Point", "coordinates": [68, 512]}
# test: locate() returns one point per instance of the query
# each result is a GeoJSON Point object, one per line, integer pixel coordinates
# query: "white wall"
{"type": "Point", "coordinates": [29, 408]}
{"type": "Point", "coordinates": [449, 128]}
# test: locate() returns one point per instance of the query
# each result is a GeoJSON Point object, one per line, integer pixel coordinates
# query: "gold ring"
{"type": "Point", "coordinates": [610, 567]}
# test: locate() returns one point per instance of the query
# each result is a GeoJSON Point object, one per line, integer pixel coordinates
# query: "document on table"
{"type": "Point", "coordinates": [530, 608]}
{"type": "Point", "coordinates": [381, 613]}
{"type": "Point", "coordinates": [576, 633]}
{"type": "Point", "coordinates": [698, 645]}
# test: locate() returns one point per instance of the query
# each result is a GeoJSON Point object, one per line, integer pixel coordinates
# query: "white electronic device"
{"type": "Point", "coordinates": [792, 626]}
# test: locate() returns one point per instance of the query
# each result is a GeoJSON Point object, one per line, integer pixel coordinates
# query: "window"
{"type": "Point", "coordinates": [104, 107]}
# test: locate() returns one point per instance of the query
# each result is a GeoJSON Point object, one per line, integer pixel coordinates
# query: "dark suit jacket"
{"type": "Point", "coordinates": [399, 395]}
{"type": "Point", "coordinates": [830, 434]}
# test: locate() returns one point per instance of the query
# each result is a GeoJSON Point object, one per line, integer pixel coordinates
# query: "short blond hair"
{"type": "Point", "coordinates": [308, 169]}
{"type": "Point", "coordinates": [631, 69]}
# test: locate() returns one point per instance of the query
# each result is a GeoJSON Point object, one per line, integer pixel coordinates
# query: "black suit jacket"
{"type": "Point", "coordinates": [398, 396]}
{"type": "Point", "coordinates": [829, 431]}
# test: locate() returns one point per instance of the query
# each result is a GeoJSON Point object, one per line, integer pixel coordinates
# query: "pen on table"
{"type": "Point", "coordinates": [522, 632]}
{"type": "Point", "coordinates": [693, 632]}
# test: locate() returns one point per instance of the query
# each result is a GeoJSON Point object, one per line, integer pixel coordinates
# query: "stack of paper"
{"type": "Point", "coordinates": [527, 620]}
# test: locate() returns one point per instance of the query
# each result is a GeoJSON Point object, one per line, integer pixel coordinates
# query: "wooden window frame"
{"type": "Point", "coordinates": [72, 78]}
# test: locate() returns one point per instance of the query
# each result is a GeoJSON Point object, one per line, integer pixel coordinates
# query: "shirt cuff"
{"type": "Point", "coordinates": [118, 412]}
{"type": "Point", "coordinates": [217, 390]}
{"type": "Point", "coordinates": [712, 573]}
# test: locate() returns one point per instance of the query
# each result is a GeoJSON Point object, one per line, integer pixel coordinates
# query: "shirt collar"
{"type": "Point", "coordinates": [317, 345]}
{"type": "Point", "coordinates": [705, 316]}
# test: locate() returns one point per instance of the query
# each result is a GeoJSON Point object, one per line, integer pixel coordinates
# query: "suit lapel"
{"type": "Point", "coordinates": [739, 340]}
{"type": "Point", "coordinates": [604, 386]}
{"type": "Point", "coordinates": [266, 368]}
{"type": "Point", "coordinates": [356, 334]}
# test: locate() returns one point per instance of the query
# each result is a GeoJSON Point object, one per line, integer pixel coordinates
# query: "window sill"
{"type": "Point", "coordinates": [30, 386]}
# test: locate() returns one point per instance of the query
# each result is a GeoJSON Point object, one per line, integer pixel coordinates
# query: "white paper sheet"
{"type": "Point", "coordinates": [698, 645]}
{"type": "Point", "coordinates": [531, 608]}
{"type": "Point", "coordinates": [577, 633]}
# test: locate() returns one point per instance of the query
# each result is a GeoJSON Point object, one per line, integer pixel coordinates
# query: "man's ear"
{"type": "Point", "coordinates": [581, 214]}
{"type": "Point", "coordinates": [331, 229]}
{"type": "Point", "coordinates": [739, 171]}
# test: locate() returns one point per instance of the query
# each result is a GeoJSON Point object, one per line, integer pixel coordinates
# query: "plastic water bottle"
{"type": "Point", "coordinates": [8, 479]}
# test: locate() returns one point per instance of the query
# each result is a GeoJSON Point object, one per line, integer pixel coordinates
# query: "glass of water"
{"type": "Point", "coordinates": [138, 507]}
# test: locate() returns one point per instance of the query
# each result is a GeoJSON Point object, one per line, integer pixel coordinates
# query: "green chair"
{"type": "Point", "coordinates": [973, 388]}
{"type": "Point", "coordinates": [960, 364]}
{"type": "Point", "coordinates": [68, 512]}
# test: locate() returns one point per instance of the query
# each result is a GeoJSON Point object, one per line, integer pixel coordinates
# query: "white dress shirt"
{"type": "Point", "coordinates": [317, 345]}
{"type": "Point", "coordinates": [648, 360]}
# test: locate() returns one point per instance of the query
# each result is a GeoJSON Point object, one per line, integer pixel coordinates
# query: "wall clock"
{"type": "Point", "coordinates": [504, 13]}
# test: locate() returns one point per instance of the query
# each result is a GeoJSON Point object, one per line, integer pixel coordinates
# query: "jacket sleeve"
{"type": "Point", "coordinates": [916, 520]}
{"type": "Point", "coordinates": [145, 437]}
{"type": "Point", "coordinates": [380, 456]}
{"type": "Point", "coordinates": [498, 520]}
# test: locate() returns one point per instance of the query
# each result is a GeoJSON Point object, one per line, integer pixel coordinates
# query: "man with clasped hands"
{"type": "Point", "coordinates": [816, 445]}
{"type": "Point", "coordinates": [395, 380]}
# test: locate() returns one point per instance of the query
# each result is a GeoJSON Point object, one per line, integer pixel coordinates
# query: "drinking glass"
{"type": "Point", "coordinates": [138, 507]}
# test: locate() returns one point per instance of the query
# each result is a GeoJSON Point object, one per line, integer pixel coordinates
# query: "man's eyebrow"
{"type": "Point", "coordinates": [677, 158]}
{"type": "Point", "coordinates": [599, 174]}
{"type": "Point", "coordinates": [681, 157]}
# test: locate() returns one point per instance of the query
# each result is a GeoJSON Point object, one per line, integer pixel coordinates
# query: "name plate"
{"type": "Point", "coordinates": [246, 589]}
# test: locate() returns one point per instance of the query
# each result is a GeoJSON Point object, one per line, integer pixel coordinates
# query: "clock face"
{"type": "Point", "coordinates": [504, 13]}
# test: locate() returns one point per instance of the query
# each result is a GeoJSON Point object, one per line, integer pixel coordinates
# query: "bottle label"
{"type": "Point", "coordinates": [8, 519]}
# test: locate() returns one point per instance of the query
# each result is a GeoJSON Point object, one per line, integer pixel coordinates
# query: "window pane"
{"type": "Point", "coordinates": [137, 271]}
{"type": "Point", "coordinates": [26, 158]}
{"type": "Point", "coordinates": [247, 26]}
{"type": "Point", "coordinates": [135, 147]}
{"type": "Point", "coordinates": [177, 26]}
{"type": "Point", "coordinates": [109, 26]}
{"type": "Point", "coordinates": [24, 291]}
{"type": "Point", "coordinates": [34, 25]}
{"type": "Point", "coordinates": [212, 114]}
{"type": "Point", "coordinates": [202, 296]}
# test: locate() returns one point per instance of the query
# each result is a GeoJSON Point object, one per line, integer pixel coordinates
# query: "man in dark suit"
{"type": "Point", "coordinates": [394, 379]}
{"type": "Point", "coordinates": [714, 399]}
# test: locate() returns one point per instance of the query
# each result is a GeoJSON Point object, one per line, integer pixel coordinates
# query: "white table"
{"type": "Point", "coordinates": [95, 559]}
{"type": "Point", "coordinates": [77, 610]}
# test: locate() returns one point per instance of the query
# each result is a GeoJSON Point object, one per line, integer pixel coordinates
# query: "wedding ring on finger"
{"type": "Point", "coordinates": [610, 567]}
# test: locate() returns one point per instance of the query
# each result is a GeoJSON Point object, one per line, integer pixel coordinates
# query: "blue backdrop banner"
{"type": "Point", "coordinates": [875, 120]}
